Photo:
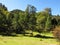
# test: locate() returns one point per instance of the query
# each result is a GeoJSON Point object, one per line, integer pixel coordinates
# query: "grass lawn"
{"type": "Point", "coordinates": [22, 40]}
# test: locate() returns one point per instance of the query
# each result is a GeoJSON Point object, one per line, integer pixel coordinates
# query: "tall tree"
{"type": "Point", "coordinates": [31, 19]}
{"type": "Point", "coordinates": [3, 17]}
{"type": "Point", "coordinates": [17, 20]}
{"type": "Point", "coordinates": [41, 18]}
{"type": "Point", "coordinates": [44, 20]}
{"type": "Point", "coordinates": [48, 18]}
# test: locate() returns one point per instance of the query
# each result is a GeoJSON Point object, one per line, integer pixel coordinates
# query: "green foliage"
{"type": "Point", "coordinates": [48, 18]}
{"type": "Point", "coordinates": [44, 20]}
{"type": "Point", "coordinates": [18, 21]}
{"type": "Point", "coordinates": [30, 17]}
{"type": "Point", "coordinates": [41, 21]}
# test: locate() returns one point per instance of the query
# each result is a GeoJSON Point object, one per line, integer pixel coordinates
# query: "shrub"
{"type": "Point", "coordinates": [56, 33]}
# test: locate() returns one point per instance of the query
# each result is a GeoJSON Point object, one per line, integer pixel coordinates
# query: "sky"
{"type": "Point", "coordinates": [39, 4]}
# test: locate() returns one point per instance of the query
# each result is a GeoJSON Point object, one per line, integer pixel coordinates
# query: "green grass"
{"type": "Point", "coordinates": [22, 40]}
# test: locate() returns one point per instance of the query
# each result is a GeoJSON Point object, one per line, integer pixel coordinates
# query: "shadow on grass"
{"type": "Point", "coordinates": [46, 37]}
{"type": "Point", "coordinates": [8, 35]}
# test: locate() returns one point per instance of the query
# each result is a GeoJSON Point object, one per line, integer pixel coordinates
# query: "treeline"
{"type": "Point", "coordinates": [18, 21]}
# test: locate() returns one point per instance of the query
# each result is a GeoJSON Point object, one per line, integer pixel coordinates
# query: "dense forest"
{"type": "Point", "coordinates": [18, 21]}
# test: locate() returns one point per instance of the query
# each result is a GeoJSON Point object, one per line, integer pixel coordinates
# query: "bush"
{"type": "Point", "coordinates": [56, 33]}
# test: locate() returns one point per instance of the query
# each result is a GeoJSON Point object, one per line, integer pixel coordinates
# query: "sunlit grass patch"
{"type": "Point", "coordinates": [25, 41]}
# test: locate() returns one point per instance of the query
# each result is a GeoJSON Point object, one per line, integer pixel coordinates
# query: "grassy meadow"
{"type": "Point", "coordinates": [23, 40]}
